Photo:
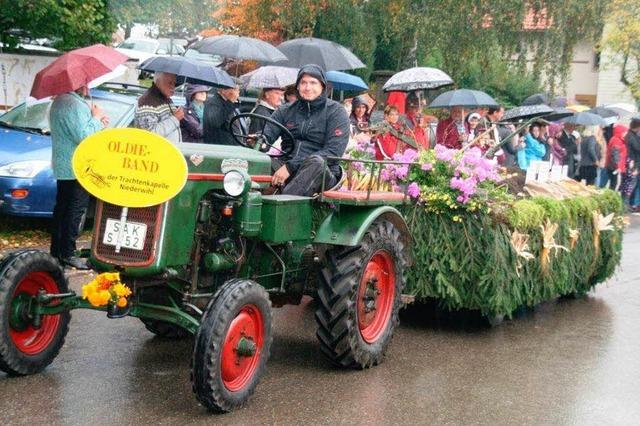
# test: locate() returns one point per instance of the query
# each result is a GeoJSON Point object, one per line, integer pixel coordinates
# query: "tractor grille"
{"type": "Point", "coordinates": [150, 216]}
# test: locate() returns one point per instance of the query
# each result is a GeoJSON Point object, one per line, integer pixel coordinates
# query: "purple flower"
{"type": "Point", "coordinates": [443, 153]}
{"type": "Point", "coordinates": [460, 199]}
{"type": "Point", "coordinates": [413, 190]}
{"type": "Point", "coordinates": [426, 167]}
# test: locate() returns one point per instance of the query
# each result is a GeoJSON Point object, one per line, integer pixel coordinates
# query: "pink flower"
{"type": "Point", "coordinates": [413, 190]}
{"type": "Point", "coordinates": [426, 167]}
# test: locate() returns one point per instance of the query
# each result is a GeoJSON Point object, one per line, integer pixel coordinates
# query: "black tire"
{"type": "Point", "coordinates": [340, 335]}
{"type": "Point", "coordinates": [165, 330]}
{"type": "Point", "coordinates": [26, 271]}
{"type": "Point", "coordinates": [207, 368]}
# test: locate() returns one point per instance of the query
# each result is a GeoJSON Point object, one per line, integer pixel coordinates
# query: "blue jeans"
{"type": "Point", "coordinates": [635, 195]}
{"type": "Point", "coordinates": [603, 177]}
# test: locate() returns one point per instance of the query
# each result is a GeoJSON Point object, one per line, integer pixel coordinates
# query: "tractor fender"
{"type": "Point", "coordinates": [347, 226]}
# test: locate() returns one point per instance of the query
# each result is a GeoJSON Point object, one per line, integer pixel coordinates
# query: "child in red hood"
{"type": "Point", "coordinates": [616, 163]}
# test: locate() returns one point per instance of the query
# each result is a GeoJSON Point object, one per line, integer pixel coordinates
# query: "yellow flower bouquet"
{"type": "Point", "coordinates": [106, 289]}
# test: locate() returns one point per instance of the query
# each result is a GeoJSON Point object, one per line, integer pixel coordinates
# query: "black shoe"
{"type": "Point", "coordinates": [76, 262]}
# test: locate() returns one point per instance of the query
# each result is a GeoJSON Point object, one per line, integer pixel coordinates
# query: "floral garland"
{"type": "Point", "coordinates": [106, 289]}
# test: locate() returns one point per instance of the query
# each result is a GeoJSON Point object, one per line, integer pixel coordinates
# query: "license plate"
{"type": "Point", "coordinates": [131, 234]}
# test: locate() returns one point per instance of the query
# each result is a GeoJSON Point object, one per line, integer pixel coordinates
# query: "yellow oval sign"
{"type": "Point", "coordinates": [129, 167]}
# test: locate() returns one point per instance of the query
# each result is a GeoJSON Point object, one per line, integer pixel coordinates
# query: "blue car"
{"type": "Point", "coordinates": [27, 184]}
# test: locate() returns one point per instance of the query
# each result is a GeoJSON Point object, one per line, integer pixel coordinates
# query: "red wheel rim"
{"type": "Point", "coordinates": [375, 296]}
{"type": "Point", "coordinates": [32, 341]}
{"type": "Point", "coordinates": [242, 348]}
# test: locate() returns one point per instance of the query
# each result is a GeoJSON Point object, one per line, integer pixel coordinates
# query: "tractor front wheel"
{"type": "Point", "coordinates": [27, 347]}
{"type": "Point", "coordinates": [232, 345]}
{"type": "Point", "coordinates": [359, 297]}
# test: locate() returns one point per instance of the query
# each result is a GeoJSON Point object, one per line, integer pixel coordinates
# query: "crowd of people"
{"type": "Point", "coordinates": [324, 128]}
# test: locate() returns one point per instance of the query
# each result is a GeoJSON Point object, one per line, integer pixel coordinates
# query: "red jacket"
{"type": "Point", "coordinates": [617, 150]}
{"type": "Point", "coordinates": [447, 134]}
{"type": "Point", "coordinates": [387, 145]}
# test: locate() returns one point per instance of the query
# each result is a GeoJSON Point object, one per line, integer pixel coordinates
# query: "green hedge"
{"type": "Point", "coordinates": [472, 264]}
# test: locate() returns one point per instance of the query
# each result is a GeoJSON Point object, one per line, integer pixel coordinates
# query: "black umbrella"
{"type": "Point", "coordinates": [603, 112]}
{"type": "Point", "coordinates": [328, 55]}
{"type": "Point", "coordinates": [585, 119]}
{"type": "Point", "coordinates": [537, 99]}
{"type": "Point", "coordinates": [194, 71]}
{"type": "Point", "coordinates": [559, 114]}
{"type": "Point", "coordinates": [238, 47]}
{"type": "Point", "coordinates": [463, 98]}
{"type": "Point", "coordinates": [527, 111]}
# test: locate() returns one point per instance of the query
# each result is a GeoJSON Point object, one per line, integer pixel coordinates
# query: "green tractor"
{"type": "Point", "coordinates": [213, 260]}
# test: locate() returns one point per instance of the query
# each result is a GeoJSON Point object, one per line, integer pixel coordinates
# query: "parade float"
{"type": "Point", "coordinates": [485, 240]}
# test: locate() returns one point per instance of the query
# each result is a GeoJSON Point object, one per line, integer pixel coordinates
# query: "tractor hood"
{"type": "Point", "coordinates": [217, 159]}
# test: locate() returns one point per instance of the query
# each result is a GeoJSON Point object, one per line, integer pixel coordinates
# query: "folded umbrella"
{"type": "Point", "coordinates": [239, 47]}
{"type": "Point", "coordinates": [417, 78]}
{"type": "Point", "coordinates": [193, 71]}
{"type": "Point", "coordinates": [585, 119]}
{"type": "Point", "coordinates": [527, 111]}
{"type": "Point", "coordinates": [343, 81]}
{"type": "Point", "coordinates": [328, 55]}
{"type": "Point", "coordinates": [463, 98]}
{"type": "Point", "coordinates": [269, 77]}
{"type": "Point", "coordinates": [76, 69]}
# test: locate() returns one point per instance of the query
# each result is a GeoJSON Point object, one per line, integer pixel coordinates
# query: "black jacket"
{"type": "Point", "coordinates": [568, 142]}
{"type": "Point", "coordinates": [590, 152]}
{"type": "Point", "coordinates": [319, 127]}
{"type": "Point", "coordinates": [633, 148]}
{"type": "Point", "coordinates": [218, 112]}
{"type": "Point", "coordinates": [257, 124]}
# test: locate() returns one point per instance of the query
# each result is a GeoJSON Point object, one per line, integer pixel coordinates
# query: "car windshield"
{"type": "Point", "coordinates": [166, 47]}
{"type": "Point", "coordinates": [214, 60]}
{"type": "Point", "coordinates": [36, 117]}
{"type": "Point", "coordinates": [141, 45]}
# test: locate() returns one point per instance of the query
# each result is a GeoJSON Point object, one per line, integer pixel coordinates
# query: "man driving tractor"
{"type": "Point", "coordinates": [320, 127]}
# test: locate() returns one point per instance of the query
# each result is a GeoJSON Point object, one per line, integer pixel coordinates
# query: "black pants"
{"type": "Point", "coordinates": [613, 179]}
{"type": "Point", "coordinates": [71, 207]}
{"type": "Point", "coordinates": [589, 173]}
{"type": "Point", "coordinates": [307, 181]}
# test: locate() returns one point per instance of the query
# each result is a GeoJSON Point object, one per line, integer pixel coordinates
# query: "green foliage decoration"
{"type": "Point", "coordinates": [471, 264]}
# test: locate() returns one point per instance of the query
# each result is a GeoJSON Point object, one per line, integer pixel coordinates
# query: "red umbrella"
{"type": "Point", "coordinates": [75, 69]}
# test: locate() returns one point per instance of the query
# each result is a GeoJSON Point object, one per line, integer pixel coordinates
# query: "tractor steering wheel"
{"type": "Point", "coordinates": [287, 138]}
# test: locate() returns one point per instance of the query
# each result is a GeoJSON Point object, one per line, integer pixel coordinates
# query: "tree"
{"type": "Point", "coordinates": [69, 23]}
{"type": "Point", "coordinates": [623, 38]}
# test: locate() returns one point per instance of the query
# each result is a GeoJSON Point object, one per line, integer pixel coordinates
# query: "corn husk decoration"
{"type": "Point", "coordinates": [574, 234]}
{"type": "Point", "coordinates": [520, 243]}
{"type": "Point", "coordinates": [600, 223]}
{"type": "Point", "coordinates": [548, 244]}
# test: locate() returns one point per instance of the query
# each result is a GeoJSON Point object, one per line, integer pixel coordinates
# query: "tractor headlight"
{"type": "Point", "coordinates": [235, 183]}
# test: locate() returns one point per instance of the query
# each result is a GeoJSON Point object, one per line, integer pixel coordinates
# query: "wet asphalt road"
{"type": "Point", "coordinates": [566, 362]}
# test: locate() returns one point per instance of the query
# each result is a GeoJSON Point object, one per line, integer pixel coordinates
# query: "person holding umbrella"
{"type": "Point", "coordinates": [71, 120]}
{"type": "Point", "coordinates": [590, 155]}
{"type": "Point", "coordinates": [156, 112]}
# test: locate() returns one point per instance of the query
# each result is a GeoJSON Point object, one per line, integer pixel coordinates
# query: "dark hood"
{"type": "Point", "coordinates": [314, 71]}
{"type": "Point", "coordinates": [357, 101]}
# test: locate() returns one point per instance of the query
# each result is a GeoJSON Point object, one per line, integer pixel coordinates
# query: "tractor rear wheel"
{"type": "Point", "coordinates": [26, 348]}
{"type": "Point", "coordinates": [232, 345]}
{"type": "Point", "coordinates": [359, 297]}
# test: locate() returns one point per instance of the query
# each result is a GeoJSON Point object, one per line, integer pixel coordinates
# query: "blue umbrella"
{"type": "Point", "coordinates": [343, 81]}
{"type": "Point", "coordinates": [194, 71]}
